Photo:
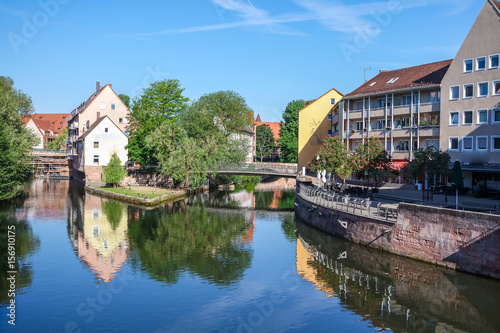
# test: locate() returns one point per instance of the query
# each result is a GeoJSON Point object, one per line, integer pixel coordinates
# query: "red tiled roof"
{"type": "Point", "coordinates": [275, 127]}
{"type": "Point", "coordinates": [417, 76]}
{"type": "Point", "coordinates": [54, 122]}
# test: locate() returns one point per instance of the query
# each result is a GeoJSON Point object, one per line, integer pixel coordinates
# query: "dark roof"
{"type": "Point", "coordinates": [94, 125]}
{"type": "Point", "coordinates": [405, 78]}
{"type": "Point", "coordinates": [496, 3]}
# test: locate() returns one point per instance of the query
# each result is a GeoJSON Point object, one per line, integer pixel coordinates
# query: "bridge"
{"type": "Point", "coordinates": [288, 170]}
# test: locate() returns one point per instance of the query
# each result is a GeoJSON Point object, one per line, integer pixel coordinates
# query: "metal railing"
{"type": "Point", "coordinates": [348, 204]}
{"type": "Point", "coordinates": [260, 168]}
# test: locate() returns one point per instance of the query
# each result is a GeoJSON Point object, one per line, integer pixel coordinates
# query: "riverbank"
{"type": "Point", "coordinates": [461, 240]}
{"type": "Point", "coordinates": [155, 199]}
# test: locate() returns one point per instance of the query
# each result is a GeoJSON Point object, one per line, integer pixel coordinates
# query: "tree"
{"type": "Point", "coordinates": [160, 103]}
{"type": "Point", "coordinates": [125, 99]}
{"type": "Point", "coordinates": [333, 157]}
{"type": "Point", "coordinates": [264, 141]}
{"type": "Point", "coordinates": [16, 141]}
{"type": "Point", "coordinates": [114, 173]}
{"type": "Point", "coordinates": [59, 140]}
{"type": "Point", "coordinates": [371, 158]}
{"type": "Point", "coordinates": [289, 132]}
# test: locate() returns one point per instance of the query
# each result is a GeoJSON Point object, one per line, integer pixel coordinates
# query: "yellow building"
{"type": "Point", "coordinates": [315, 124]}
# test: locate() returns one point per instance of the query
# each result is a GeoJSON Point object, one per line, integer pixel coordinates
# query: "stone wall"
{"type": "Point", "coordinates": [467, 241]}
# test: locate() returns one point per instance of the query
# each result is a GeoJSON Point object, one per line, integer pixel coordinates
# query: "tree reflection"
{"type": "Point", "coordinates": [209, 244]}
{"type": "Point", "coordinates": [288, 226]}
{"type": "Point", "coordinates": [26, 245]}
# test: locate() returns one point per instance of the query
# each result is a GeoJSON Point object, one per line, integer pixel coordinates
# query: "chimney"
{"type": "Point", "coordinates": [384, 70]}
{"type": "Point", "coordinates": [97, 87]}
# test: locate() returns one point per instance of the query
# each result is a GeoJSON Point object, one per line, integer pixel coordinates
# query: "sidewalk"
{"type": "Point", "coordinates": [395, 193]}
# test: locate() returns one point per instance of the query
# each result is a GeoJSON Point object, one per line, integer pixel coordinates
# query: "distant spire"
{"type": "Point", "coordinates": [257, 120]}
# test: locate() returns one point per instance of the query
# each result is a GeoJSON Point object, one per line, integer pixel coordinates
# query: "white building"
{"type": "Point", "coordinates": [95, 147]}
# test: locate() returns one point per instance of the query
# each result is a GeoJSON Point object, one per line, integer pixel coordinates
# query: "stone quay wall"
{"type": "Point", "coordinates": [462, 240]}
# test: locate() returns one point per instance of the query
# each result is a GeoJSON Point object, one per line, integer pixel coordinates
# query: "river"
{"type": "Point", "coordinates": [219, 262]}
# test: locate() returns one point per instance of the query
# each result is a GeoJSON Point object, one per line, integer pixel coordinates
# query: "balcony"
{"type": "Point", "coordinates": [401, 133]}
{"type": "Point", "coordinates": [430, 107]}
{"type": "Point", "coordinates": [355, 115]}
{"type": "Point", "coordinates": [335, 119]}
{"type": "Point", "coordinates": [400, 155]}
{"type": "Point", "coordinates": [401, 110]}
{"type": "Point", "coordinates": [429, 131]}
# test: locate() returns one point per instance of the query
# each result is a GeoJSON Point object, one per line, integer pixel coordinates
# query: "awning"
{"type": "Point", "coordinates": [398, 165]}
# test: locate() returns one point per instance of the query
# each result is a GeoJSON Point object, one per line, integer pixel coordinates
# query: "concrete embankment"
{"type": "Point", "coordinates": [462, 240]}
{"type": "Point", "coordinates": [174, 196]}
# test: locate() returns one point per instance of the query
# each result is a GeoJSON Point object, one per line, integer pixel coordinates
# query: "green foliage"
{"type": "Point", "coordinates": [114, 173]}
{"type": "Point", "coordinates": [208, 130]}
{"type": "Point", "coordinates": [160, 103]}
{"type": "Point", "coordinates": [114, 212]}
{"type": "Point", "coordinates": [125, 99]}
{"type": "Point", "coordinates": [26, 244]}
{"type": "Point", "coordinates": [289, 132]}
{"type": "Point", "coordinates": [56, 144]}
{"type": "Point", "coordinates": [264, 141]}
{"type": "Point", "coordinates": [16, 141]}
{"type": "Point", "coordinates": [208, 244]}
{"type": "Point", "coordinates": [428, 162]}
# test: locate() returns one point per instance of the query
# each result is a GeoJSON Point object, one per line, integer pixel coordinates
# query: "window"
{"type": "Point", "coordinates": [372, 84]}
{"type": "Point", "coordinates": [406, 100]}
{"type": "Point", "coordinates": [495, 116]}
{"type": "Point", "coordinates": [127, 120]}
{"type": "Point", "coordinates": [467, 65]}
{"type": "Point", "coordinates": [454, 118]}
{"type": "Point", "coordinates": [495, 143]}
{"type": "Point", "coordinates": [95, 214]}
{"type": "Point", "coordinates": [480, 63]}
{"type": "Point", "coordinates": [453, 143]}
{"type": "Point", "coordinates": [120, 120]}
{"type": "Point", "coordinates": [433, 143]}
{"type": "Point", "coordinates": [359, 125]}
{"type": "Point", "coordinates": [102, 106]}
{"type": "Point", "coordinates": [329, 132]}
{"type": "Point", "coordinates": [482, 117]}
{"type": "Point", "coordinates": [496, 88]}
{"type": "Point", "coordinates": [96, 144]}
{"type": "Point", "coordinates": [113, 107]}
{"type": "Point", "coordinates": [481, 143]}
{"type": "Point", "coordinates": [494, 61]}
{"type": "Point", "coordinates": [95, 229]}
{"type": "Point", "coordinates": [467, 118]}
{"type": "Point", "coordinates": [332, 101]}
{"type": "Point", "coordinates": [96, 159]}
{"type": "Point", "coordinates": [391, 81]}
{"type": "Point", "coordinates": [105, 130]}
{"type": "Point", "coordinates": [329, 118]}
{"type": "Point", "coordinates": [434, 97]}
{"type": "Point", "coordinates": [467, 143]}
{"type": "Point", "coordinates": [482, 89]}
{"type": "Point", "coordinates": [405, 122]}
{"type": "Point", "coordinates": [454, 92]}
{"type": "Point", "coordinates": [404, 145]}
{"type": "Point", "coordinates": [127, 133]}
{"type": "Point", "coordinates": [468, 91]}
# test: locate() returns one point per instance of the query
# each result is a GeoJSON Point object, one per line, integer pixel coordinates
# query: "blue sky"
{"type": "Point", "coordinates": [270, 52]}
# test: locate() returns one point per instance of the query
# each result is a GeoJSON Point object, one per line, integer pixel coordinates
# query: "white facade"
{"type": "Point", "coordinates": [99, 143]}
{"type": "Point", "coordinates": [32, 126]}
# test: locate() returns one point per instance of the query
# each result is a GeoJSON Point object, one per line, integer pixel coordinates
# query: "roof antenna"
{"type": "Point", "coordinates": [364, 72]}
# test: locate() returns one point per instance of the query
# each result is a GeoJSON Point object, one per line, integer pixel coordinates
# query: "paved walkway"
{"type": "Point", "coordinates": [394, 193]}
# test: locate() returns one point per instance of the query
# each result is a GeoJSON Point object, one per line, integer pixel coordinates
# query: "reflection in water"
{"type": "Point", "coordinates": [26, 244]}
{"type": "Point", "coordinates": [175, 238]}
{"type": "Point", "coordinates": [98, 233]}
{"type": "Point", "coordinates": [396, 293]}
{"type": "Point", "coordinates": [276, 199]}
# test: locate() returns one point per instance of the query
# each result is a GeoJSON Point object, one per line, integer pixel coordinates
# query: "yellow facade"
{"type": "Point", "coordinates": [314, 125]}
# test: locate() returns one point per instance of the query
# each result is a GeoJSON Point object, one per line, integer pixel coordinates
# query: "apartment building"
{"type": "Point", "coordinates": [46, 126]}
{"type": "Point", "coordinates": [103, 102]}
{"type": "Point", "coordinates": [400, 107]}
{"type": "Point", "coordinates": [470, 104]}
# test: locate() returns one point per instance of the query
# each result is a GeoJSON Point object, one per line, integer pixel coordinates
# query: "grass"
{"type": "Point", "coordinates": [142, 192]}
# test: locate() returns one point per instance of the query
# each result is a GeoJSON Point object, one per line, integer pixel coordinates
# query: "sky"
{"type": "Point", "coordinates": [269, 51]}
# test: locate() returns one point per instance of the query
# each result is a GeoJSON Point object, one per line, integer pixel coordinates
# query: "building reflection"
{"type": "Point", "coordinates": [392, 292]}
{"type": "Point", "coordinates": [98, 230]}
{"type": "Point", "coordinates": [46, 200]}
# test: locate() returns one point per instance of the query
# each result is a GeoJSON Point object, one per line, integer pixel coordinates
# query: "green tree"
{"type": "Point", "coordinates": [289, 132]}
{"type": "Point", "coordinates": [160, 103]}
{"type": "Point", "coordinates": [114, 212]}
{"type": "Point", "coordinates": [125, 99]}
{"type": "Point", "coordinates": [114, 173]}
{"type": "Point", "coordinates": [16, 141]}
{"type": "Point", "coordinates": [333, 157]}
{"type": "Point", "coordinates": [372, 158]}
{"type": "Point", "coordinates": [264, 141]}
{"type": "Point", "coordinates": [59, 140]}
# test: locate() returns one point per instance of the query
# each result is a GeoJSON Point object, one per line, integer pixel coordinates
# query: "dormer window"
{"type": "Point", "coordinates": [373, 83]}
{"type": "Point", "coordinates": [391, 81]}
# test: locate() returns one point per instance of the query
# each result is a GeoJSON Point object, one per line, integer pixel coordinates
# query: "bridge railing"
{"type": "Point", "coordinates": [279, 168]}
{"type": "Point", "coordinates": [345, 203]}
